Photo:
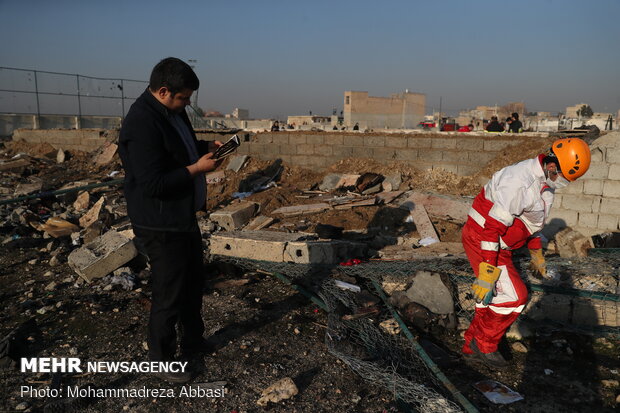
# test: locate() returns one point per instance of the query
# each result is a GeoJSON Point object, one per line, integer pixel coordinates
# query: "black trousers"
{"type": "Point", "coordinates": [177, 277]}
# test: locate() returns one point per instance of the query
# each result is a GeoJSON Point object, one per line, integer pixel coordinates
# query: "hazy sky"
{"type": "Point", "coordinates": [279, 58]}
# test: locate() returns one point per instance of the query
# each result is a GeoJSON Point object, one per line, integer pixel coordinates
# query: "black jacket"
{"type": "Point", "coordinates": [158, 187]}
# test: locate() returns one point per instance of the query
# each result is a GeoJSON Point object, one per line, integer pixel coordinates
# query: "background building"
{"type": "Point", "coordinates": [399, 111]}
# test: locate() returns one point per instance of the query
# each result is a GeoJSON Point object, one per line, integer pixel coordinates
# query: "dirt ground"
{"type": "Point", "coordinates": [260, 329]}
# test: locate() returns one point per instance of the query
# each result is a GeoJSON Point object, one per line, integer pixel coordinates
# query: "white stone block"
{"type": "Point", "coordinates": [588, 220]}
{"type": "Point", "coordinates": [598, 170]}
{"type": "Point", "coordinates": [598, 154]}
{"type": "Point", "coordinates": [581, 203]}
{"type": "Point", "coordinates": [574, 188]}
{"type": "Point", "coordinates": [610, 206]}
{"type": "Point", "coordinates": [568, 217]}
{"type": "Point", "coordinates": [608, 222]}
{"type": "Point", "coordinates": [593, 186]}
{"type": "Point", "coordinates": [614, 172]}
{"type": "Point", "coordinates": [611, 189]}
{"type": "Point", "coordinates": [613, 154]}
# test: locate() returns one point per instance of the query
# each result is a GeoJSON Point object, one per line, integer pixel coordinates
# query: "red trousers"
{"type": "Point", "coordinates": [491, 321]}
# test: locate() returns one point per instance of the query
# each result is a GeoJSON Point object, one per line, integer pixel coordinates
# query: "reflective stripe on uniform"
{"type": "Point", "coordinates": [489, 246]}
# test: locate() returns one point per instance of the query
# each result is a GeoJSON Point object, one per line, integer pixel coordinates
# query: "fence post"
{"type": "Point", "coordinates": [122, 101]}
{"type": "Point", "coordinates": [79, 118]}
{"type": "Point", "coordinates": [37, 119]}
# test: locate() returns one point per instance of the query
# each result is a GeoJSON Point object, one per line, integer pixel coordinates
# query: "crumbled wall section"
{"type": "Point", "coordinates": [462, 154]}
{"type": "Point", "coordinates": [86, 140]}
{"type": "Point", "coordinates": [591, 204]}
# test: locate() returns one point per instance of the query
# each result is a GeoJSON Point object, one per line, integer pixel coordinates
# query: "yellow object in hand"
{"type": "Point", "coordinates": [537, 263]}
{"type": "Point", "coordinates": [484, 285]}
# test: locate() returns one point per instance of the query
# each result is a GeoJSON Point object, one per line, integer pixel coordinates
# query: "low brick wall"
{"type": "Point", "coordinates": [462, 154]}
{"type": "Point", "coordinates": [591, 204]}
{"type": "Point", "coordinates": [86, 140]}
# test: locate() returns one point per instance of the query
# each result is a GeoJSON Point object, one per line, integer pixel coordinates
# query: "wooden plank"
{"type": "Point", "coordinates": [422, 222]}
{"type": "Point", "coordinates": [387, 197]}
{"type": "Point", "coordinates": [291, 211]}
{"type": "Point", "coordinates": [362, 202]}
{"type": "Point", "coordinates": [259, 222]}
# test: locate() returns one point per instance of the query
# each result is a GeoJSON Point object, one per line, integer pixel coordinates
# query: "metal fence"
{"type": "Point", "coordinates": [37, 92]}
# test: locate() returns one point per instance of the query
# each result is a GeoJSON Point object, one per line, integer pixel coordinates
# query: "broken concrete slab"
{"type": "Point", "coordinates": [347, 180]}
{"type": "Point", "coordinates": [429, 290]}
{"type": "Point", "coordinates": [92, 215]}
{"type": "Point", "coordinates": [394, 181]}
{"type": "Point", "coordinates": [283, 247]}
{"type": "Point", "coordinates": [235, 216]}
{"type": "Point", "coordinates": [441, 206]}
{"type": "Point", "coordinates": [330, 182]}
{"type": "Point", "coordinates": [106, 153]}
{"type": "Point", "coordinates": [236, 163]}
{"type": "Point", "coordinates": [420, 218]}
{"type": "Point", "coordinates": [102, 256]}
{"type": "Point", "coordinates": [295, 210]}
{"type": "Point", "coordinates": [60, 156]}
{"type": "Point", "coordinates": [259, 222]}
{"type": "Point", "coordinates": [570, 243]}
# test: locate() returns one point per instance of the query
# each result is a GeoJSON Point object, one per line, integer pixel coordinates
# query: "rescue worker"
{"type": "Point", "coordinates": [508, 214]}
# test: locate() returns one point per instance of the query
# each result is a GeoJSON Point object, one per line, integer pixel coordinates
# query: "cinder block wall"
{"type": "Point", "coordinates": [67, 139]}
{"type": "Point", "coordinates": [591, 204]}
{"type": "Point", "coordinates": [462, 154]}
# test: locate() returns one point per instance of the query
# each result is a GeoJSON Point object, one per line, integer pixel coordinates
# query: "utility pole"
{"type": "Point", "coordinates": [440, 116]}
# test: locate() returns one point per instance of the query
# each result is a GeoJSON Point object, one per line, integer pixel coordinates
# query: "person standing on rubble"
{"type": "Point", "coordinates": [508, 214]}
{"type": "Point", "coordinates": [164, 186]}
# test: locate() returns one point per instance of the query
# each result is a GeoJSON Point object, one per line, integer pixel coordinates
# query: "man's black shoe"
{"type": "Point", "coordinates": [178, 377]}
{"type": "Point", "coordinates": [493, 360]}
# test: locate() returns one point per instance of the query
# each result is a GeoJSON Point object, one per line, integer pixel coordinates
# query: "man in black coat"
{"type": "Point", "coordinates": [165, 186]}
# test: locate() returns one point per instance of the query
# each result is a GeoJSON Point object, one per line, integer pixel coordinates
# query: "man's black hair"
{"type": "Point", "coordinates": [173, 74]}
{"type": "Point", "coordinates": [515, 115]}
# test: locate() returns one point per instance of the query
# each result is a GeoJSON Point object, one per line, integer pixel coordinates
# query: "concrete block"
{"type": "Point", "coordinates": [613, 154]}
{"type": "Point", "coordinates": [430, 155]}
{"type": "Point", "coordinates": [588, 220]}
{"type": "Point", "coordinates": [363, 152]}
{"type": "Point", "coordinates": [614, 172]}
{"type": "Point", "coordinates": [453, 156]}
{"type": "Point", "coordinates": [102, 256]}
{"type": "Point", "coordinates": [334, 139]}
{"type": "Point", "coordinates": [407, 155]}
{"type": "Point", "coordinates": [557, 201]}
{"type": "Point", "coordinates": [476, 145]}
{"type": "Point", "coordinates": [566, 217]}
{"type": "Point", "coordinates": [441, 206]}
{"type": "Point", "coordinates": [315, 139]}
{"type": "Point", "coordinates": [263, 138]}
{"type": "Point", "coordinates": [385, 153]}
{"type": "Point", "coordinates": [611, 189]}
{"type": "Point", "coordinates": [395, 142]}
{"type": "Point", "coordinates": [343, 151]}
{"type": "Point", "coordinates": [296, 138]}
{"type": "Point", "coordinates": [610, 206]}
{"type": "Point", "coordinates": [323, 150]}
{"type": "Point", "coordinates": [283, 247]}
{"type": "Point", "coordinates": [234, 216]}
{"type": "Point", "coordinates": [497, 144]}
{"type": "Point", "coordinates": [570, 243]}
{"type": "Point", "coordinates": [301, 160]}
{"type": "Point", "coordinates": [378, 141]}
{"type": "Point", "coordinates": [608, 222]}
{"type": "Point", "coordinates": [581, 203]}
{"type": "Point", "coordinates": [288, 149]}
{"type": "Point", "coordinates": [418, 142]}
{"type": "Point", "coordinates": [593, 186]}
{"type": "Point", "coordinates": [575, 188]}
{"type": "Point", "coordinates": [237, 162]}
{"type": "Point", "coordinates": [354, 140]}
{"type": "Point", "coordinates": [280, 138]}
{"type": "Point", "coordinates": [597, 154]}
{"type": "Point", "coordinates": [443, 143]}
{"type": "Point", "coordinates": [259, 222]}
{"type": "Point", "coordinates": [305, 149]}
{"type": "Point", "coordinates": [597, 170]}
{"type": "Point", "coordinates": [479, 158]}
{"type": "Point", "coordinates": [429, 290]}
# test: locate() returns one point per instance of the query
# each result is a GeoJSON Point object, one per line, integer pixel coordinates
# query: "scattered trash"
{"type": "Point", "coordinates": [425, 242]}
{"type": "Point", "coordinates": [346, 286]}
{"type": "Point", "coordinates": [497, 393]}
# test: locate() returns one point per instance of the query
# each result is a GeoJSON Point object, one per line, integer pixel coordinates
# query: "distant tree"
{"type": "Point", "coordinates": [585, 111]}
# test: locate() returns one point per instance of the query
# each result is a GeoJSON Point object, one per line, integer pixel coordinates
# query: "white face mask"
{"type": "Point", "coordinates": [560, 182]}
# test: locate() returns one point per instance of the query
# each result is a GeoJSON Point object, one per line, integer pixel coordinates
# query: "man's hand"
{"type": "Point", "coordinates": [484, 286]}
{"type": "Point", "coordinates": [205, 164]}
{"type": "Point", "coordinates": [537, 263]}
{"type": "Point", "coordinates": [213, 145]}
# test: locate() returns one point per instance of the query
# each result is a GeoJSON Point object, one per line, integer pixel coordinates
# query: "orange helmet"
{"type": "Point", "coordinates": [573, 156]}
